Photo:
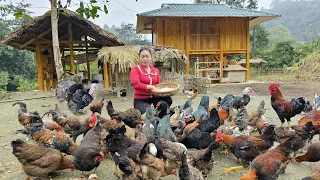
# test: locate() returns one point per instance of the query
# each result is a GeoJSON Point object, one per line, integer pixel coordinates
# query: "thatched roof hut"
{"type": "Point", "coordinates": [258, 61]}
{"type": "Point", "coordinates": [127, 56]}
{"type": "Point", "coordinates": [75, 34]}
{"type": "Point", "coordinates": [253, 61]}
{"type": "Point", "coordinates": [40, 27]}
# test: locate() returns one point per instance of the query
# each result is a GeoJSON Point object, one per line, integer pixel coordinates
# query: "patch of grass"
{"type": "Point", "coordinates": [275, 77]}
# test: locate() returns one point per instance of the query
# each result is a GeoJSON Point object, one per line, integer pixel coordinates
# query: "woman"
{"type": "Point", "coordinates": [143, 78]}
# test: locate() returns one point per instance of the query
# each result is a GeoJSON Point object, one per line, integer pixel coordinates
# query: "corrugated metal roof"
{"type": "Point", "coordinates": [204, 10]}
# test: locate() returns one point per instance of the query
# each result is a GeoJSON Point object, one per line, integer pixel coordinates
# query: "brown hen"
{"type": "Point", "coordinates": [38, 161]}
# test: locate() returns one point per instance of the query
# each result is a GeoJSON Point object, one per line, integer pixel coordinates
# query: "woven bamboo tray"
{"type": "Point", "coordinates": [166, 89]}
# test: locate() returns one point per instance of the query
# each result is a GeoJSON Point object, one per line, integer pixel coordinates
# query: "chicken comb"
{"type": "Point", "coordinates": [273, 86]}
{"type": "Point", "coordinates": [218, 134]}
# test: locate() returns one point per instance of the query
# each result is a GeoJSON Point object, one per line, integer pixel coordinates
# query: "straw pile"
{"type": "Point", "coordinates": [309, 68]}
{"type": "Point", "coordinates": [125, 57]}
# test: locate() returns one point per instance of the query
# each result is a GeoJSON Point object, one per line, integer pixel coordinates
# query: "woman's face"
{"type": "Point", "coordinates": [145, 58]}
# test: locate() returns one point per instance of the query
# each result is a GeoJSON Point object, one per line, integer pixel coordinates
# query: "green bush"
{"type": "Point", "coordinates": [254, 72]}
{"type": "Point", "coordinates": [25, 84]}
{"type": "Point", "coordinates": [4, 80]}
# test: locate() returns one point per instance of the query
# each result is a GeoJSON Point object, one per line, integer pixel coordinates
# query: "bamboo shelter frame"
{"type": "Point", "coordinates": [75, 34]}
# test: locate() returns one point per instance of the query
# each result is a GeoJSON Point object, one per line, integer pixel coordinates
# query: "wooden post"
{"type": "Point", "coordinates": [72, 65]}
{"type": "Point", "coordinates": [248, 52]}
{"type": "Point", "coordinates": [105, 75]}
{"type": "Point", "coordinates": [110, 75]}
{"type": "Point", "coordinates": [53, 80]}
{"type": "Point", "coordinates": [187, 46]}
{"type": "Point", "coordinates": [48, 67]}
{"type": "Point", "coordinates": [63, 60]}
{"type": "Point", "coordinates": [39, 66]}
{"type": "Point", "coordinates": [221, 50]}
{"type": "Point", "coordinates": [88, 62]}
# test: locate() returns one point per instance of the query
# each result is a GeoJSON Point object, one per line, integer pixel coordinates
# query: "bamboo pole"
{"type": "Point", "coordinates": [105, 75]}
{"type": "Point", "coordinates": [39, 66]}
{"type": "Point", "coordinates": [72, 65]}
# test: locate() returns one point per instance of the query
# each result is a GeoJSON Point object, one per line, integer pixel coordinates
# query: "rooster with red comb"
{"type": "Point", "coordinates": [285, 109]}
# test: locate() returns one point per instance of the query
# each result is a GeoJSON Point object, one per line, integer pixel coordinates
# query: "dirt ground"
{"type": "Point", "coordinates": [11, 169]}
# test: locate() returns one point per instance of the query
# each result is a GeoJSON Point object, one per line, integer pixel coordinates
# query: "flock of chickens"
{"type": "Point", "coordinates": [169, 141]}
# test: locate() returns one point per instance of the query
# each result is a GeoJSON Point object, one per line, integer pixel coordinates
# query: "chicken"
{"type": "Point", "coordinates": [211, 123]}
{"type": "Point", "coordinates": [76, 95]}
{"type": "Point", "coordinates": [190, 127]}
{"type": "Point", "coordinates": [312, 154]}
{"type": "Point", "coordinates": [164, 130]}
{"type": "Point", "coordinates": [74, 126]}
{"type": "Point", "coordinates": [285, 109]}
{"type": "Point", "coordinates": [215, 106]}
{"type": "Point", "coordinates": [313, 116]}
{"type": "Point", "coordinates": [239, 126]}
{"type": "Point", "coordinates": [203, 159]}
{"type": "Point", "coordinates": [162, 109]}
{"type": "Point", "coordinates": [187, 171]}
{"type": "Point", "coordinates": [173, 118]}
{"type": "Point", "coordinates": [308, 106]}
{"type": "Point", "coordinates": [200, 140]}
{"type": "Point", "coordinates": [25, 117]}
{"type": "Point", "coordinates": [144, 115]}
{"type": "Point", "coordinates": [130, 117]}
{"type": "Point", "coordinates": [246, 148]}
{"type": "Point", "coordinates": [51, 125]}
{"type": "Point", "coordinates": [270, 164]}
{"type": "Point", "coordinates": [97, 107]}
{"type": "Point", "coordinates": [254, 117]}
{"type": "Point", "coordinates": [150, 125]}
{"type": "Point", "coordinates": [315, 172]}
{"type": "Point", "coordinates": [121, 147]}
{"type": "Point", "coordinates": [191, 94]}
{"type": "Point", "coordinates": [237, 100]}
{"type": "Point", "coordinates": [38, 161]}
{"type": "Point", "coordinates": [172, 151]}
{"type": "Point", "coordinates": [202, 108]}
{"type": "Point", "coordinates": [89, 154]}
{"type": "Point", "coordinates": [50, 139]}
{"type": "Point", "coordinates": [302, 132]}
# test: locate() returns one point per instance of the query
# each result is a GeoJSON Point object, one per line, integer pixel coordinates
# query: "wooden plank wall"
{"type": "Point", "coordinates": [202, 34]}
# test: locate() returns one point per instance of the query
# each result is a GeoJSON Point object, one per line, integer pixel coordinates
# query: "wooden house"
{"type": "Point", "coordinates": [75, 35]}
{"type": "Point", "coordinates": [208, 33]}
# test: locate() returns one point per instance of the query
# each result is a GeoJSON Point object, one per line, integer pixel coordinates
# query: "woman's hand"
{"type": "Point", "coordinates": [151, 87]}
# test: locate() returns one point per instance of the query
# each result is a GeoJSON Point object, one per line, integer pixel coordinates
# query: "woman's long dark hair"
{"type": "Point", "coordinates": [144, 49]}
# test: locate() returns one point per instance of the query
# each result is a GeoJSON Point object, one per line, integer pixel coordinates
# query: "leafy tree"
{"type": "Point", "coordinates": [127, 33]}
{"type": "Point", "coordinates": [15, 61]}
{"type": "Point", "coordinates": [279, 33]}
{"type": "Point", "coordinates": [259, 40]}
{"type": "Point", "coordinates": [283, 54]}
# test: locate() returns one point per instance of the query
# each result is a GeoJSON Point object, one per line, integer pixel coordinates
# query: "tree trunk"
{"type": "Point", "coordinates": [55, 39]}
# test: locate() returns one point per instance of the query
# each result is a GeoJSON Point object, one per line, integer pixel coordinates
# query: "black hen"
{"type": "Point", "coordinates": [89, 155]}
